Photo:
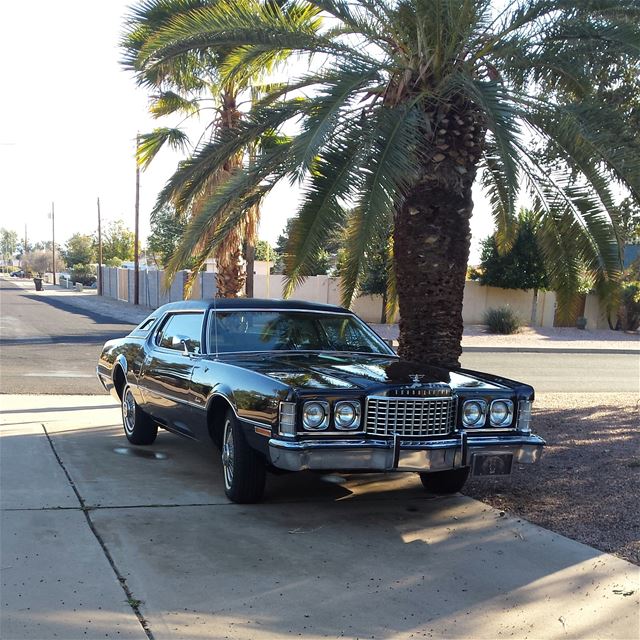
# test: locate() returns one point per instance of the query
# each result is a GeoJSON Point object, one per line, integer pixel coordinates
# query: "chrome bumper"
{"type": "Point", "coordinates": [399, 455]}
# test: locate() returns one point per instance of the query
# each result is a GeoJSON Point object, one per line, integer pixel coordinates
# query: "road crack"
{"type": "Point", "coordinates": [132, 601]}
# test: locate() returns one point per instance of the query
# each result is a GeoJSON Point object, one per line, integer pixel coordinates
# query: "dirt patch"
{"type": "Point", "coordinates": [587, 485]}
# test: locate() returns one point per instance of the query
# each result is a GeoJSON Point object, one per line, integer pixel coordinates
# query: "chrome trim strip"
{"type": "Point", "coordinates": [266, 425]}
{"type": "Point", "coordinates": [397, 456]}
{"type": "Point", "coordinates": [168, 396]}
{"type": "Point", "coordinates": [361, 353]}
{"type": "Point", "coordinates": [300, 445]}
{"type": "Point", "coordinates": [281, 310]}
{"type": "Point", "coordinates": [411, 398]}
{"type": "Point", "coordinates": [122, 361]}
{"type": "Point", "coordinates": [212, 311]}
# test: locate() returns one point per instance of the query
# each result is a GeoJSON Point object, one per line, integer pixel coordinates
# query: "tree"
{"type": "Point", "coordinates": [8, 243]}
{"type": "Point", "coordinates": [325, 257]}
{"type": "Point", "coordinates": [264, 251]}
{"type": "Point", "coordinates": [411, 100]}
{"type": "Point", "coordinates": [117, 243]}
{"type": "Point", "coordinates": [191, 84]}
{"type": "Point", "coordinates": [377, 277]}
{"type": "Point", "coordinates": [37, 261]}
{"type": "Point", "coordinates": [521, 267]}
{"type": "Point", "coordinates": [629, 221]}
{"type": "Point", "coordinates": [80, 249]}
{"type": "Point", "coordinates": [166, 229]}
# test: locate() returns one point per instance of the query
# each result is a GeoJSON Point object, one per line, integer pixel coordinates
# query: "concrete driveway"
{"type": "Point", "coordinates": [102, 539]}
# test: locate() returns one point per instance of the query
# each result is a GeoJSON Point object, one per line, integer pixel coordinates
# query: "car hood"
{"type": "Point", "coordinates": [329, 370]}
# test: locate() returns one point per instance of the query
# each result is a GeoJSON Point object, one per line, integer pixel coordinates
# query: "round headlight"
{"type": "Point", "coordinates": [473, 413]}
{"type": "Point", "coordinates": [501, 413]}
{"type": "Point", "coordinates": [315, 415]}
{"type": "Point", "coordinates": [347, 415]}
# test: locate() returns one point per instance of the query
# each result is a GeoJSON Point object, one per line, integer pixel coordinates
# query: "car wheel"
{"type": "Point", "coordinates": [445, 482]}
{"type": "Point", "coordinates": [243, 468]}
{"type": "Point", "coordinates": [138, 426]}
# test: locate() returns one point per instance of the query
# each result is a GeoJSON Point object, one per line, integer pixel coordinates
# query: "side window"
{"type": "Point", "coordinates": [181, 326]}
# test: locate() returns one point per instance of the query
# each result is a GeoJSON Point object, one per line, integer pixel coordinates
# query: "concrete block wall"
{"type": "Point", "coordinates": [118, 284]}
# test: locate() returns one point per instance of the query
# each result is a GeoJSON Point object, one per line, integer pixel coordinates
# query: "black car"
{"type": "Point", "coordinates": [293, 385]}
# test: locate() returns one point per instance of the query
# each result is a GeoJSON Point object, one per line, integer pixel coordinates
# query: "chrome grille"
{"type": "Point", "coordinates": [410, 416]}
{"type": "Point", "coordinates": [424, 391]}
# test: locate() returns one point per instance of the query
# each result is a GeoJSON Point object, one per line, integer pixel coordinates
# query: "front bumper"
{"type": "Point", "coordinates": [399, 455]}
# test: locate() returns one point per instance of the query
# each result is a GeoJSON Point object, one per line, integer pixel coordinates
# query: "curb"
{"type": "Point", "coordinates": [550, 350]}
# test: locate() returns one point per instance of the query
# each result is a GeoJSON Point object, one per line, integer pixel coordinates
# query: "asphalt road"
{"type": "Point", "coordinates": [51, 347]}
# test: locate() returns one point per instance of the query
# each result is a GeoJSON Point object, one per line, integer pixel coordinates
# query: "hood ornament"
{"type": "Point", "coordinates": [416, 378]}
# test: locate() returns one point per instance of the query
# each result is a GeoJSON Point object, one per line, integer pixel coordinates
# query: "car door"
{"type": "Point", "coordinates": [166, 375]}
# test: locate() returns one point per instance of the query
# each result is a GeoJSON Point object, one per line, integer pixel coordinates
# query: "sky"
{"type": "Point", "coordinates": [68, 123]}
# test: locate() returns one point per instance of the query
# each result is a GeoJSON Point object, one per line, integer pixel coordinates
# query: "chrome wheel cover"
{"type": "Point", "coordinates": [227, 454]}
{"type": "Point", "coordinates": [128, 412]}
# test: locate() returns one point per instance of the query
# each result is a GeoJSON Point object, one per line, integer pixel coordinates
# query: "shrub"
{"type": "Point", "coordinates": [83, 273]}
{"type": "Point", "coordinates": [629, 314]}
{"type": "Point", "coordinates": [502, 320]}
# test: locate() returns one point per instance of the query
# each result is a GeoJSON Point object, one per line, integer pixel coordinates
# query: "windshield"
{"type": "Point", "coordinates": [291, 331]}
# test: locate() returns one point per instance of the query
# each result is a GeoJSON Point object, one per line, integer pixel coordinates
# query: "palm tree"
{"type": "Point", "coordinates": [402, 104]}
{"type": "Point", "coordinates": [191, 85]}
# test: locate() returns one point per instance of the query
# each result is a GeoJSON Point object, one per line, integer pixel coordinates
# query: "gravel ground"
{"type": "Point", "coordinates": [587, 485]}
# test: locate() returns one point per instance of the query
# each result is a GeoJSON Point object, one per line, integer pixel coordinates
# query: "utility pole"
{"type": "Point", "coordinates": [100, 289]}
{"type": "Point", "coordinates": [53, 241]}
{"type": "Point", "coordinates": [136, 256]}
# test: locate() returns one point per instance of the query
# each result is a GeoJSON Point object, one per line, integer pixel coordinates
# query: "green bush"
{"type": "Point", "coordinates": [83, 273]}
{"type": "Point", "coordinates": [502, 320]}
{"type": "Point", "coordinates": [629, 315]}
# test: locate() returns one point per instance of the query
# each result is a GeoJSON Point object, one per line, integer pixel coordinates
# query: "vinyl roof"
{"type": "Point", "coordinates": [251, 303]}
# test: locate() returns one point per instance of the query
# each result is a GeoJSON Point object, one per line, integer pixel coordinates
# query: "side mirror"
{"type": "Point", "coordinates": [181, 340]}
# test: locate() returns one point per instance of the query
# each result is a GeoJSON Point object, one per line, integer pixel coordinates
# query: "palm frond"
{"type": "Point", "coordinates": [230, 24]}
{"type": "Point", "coordinates": [496, 187]}
{"type": "Point", "coordinates": [389, 169]}
{"type": "Point", "coordinates": [169, 102]}
{"type": "Point", "coordinates": [192, 174]}
{"type": "Point", "coordinates": [341, 90]}
{"type": "Point", "coordinates": [334, 177]}
{"type": "Point", "coordinates": [149, 144]}
{"type": "Point", "coordinates": [501, 118]}
{"type": "Point", "coordinates": [229, 205]}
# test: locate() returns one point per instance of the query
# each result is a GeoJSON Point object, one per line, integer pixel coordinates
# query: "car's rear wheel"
{"type": "Point", "coordinates": [138, 426]}
{"type": "Point", "coordinates": [445, 482]}
{"type": "Point", "coordinates": [243, 468]}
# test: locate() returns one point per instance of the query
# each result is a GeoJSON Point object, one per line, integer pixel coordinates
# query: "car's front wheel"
{"type": "Point", "coordinates": [138, 426]}
{"type": "Point", "coordinates": [445, 482]}
{"type": "Point", "coordinates": [243, 468]}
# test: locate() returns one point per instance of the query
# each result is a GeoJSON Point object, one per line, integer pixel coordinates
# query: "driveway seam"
{"type": "Point", "coordinates": [133, 602]}
{"type": "Point", "coordinates": [87, 508]}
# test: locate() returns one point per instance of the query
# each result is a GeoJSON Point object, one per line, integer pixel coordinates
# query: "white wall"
{"type": "Point", "coordinates": [477, 299]}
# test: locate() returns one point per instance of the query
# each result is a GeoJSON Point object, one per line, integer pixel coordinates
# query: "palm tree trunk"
{"type": "Point", "coordinates": [431, 250]}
